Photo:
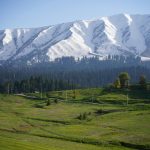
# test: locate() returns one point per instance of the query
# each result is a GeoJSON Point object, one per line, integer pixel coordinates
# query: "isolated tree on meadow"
{"type": "Point", "coordinates": [124, 79]}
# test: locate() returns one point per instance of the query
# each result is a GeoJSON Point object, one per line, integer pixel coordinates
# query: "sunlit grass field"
{"type": "Point", "coordinates": [113, 120]}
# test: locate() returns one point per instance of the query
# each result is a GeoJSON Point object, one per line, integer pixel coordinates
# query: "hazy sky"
{"type": "Point", "coordinates": [35, 13]}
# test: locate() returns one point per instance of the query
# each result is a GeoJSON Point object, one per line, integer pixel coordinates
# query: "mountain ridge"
{"type": "Point", "coordinates": [121, 34]}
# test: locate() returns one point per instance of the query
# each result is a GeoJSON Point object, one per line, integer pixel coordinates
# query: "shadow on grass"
{"type": "Point", "coordinates": [85, 140]}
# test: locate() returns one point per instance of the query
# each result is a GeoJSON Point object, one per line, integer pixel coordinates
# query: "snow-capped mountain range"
{"type": "Point", "coordinates": [121, 34]}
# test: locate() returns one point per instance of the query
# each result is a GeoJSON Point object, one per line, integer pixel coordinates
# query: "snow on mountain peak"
{"type": "Point", "coordinates": [121, 34]}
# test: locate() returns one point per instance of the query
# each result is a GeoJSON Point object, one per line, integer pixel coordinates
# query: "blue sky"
{"type": "Point", "coordinates": [36, 13]}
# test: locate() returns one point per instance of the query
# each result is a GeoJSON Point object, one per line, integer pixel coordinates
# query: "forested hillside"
{"type": "Point", "coordinates": [68, 73]}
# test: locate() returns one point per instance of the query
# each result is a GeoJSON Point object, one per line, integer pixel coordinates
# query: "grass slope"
{"type": "Point", "coordinates": [110, 123]}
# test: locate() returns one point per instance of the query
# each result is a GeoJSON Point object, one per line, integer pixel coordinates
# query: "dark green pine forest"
{"type": "Point", "coordinates": [68, 73]}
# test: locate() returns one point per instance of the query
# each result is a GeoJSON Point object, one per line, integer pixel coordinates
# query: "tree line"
{"type": "Point", "coordinates": [35, 84]}
{"type": "Point", "coordinates": [67, 73]}
{"type": "Point", "coordinates": [123, 79]}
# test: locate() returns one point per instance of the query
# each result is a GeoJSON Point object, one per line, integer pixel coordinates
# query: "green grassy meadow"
{"type": "Point", "coordinates": [110, 123]}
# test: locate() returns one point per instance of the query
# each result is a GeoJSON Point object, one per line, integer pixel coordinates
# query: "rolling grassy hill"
{"type": "Point", "coordinates": [109, 122]}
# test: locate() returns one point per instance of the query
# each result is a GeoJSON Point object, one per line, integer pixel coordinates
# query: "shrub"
{"type": "Point", "coordinates": [56, 100]}
{"type": "Point", "coordinates": [48, 102]}
{"type": "Point", "coordinates": [83, 116]}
